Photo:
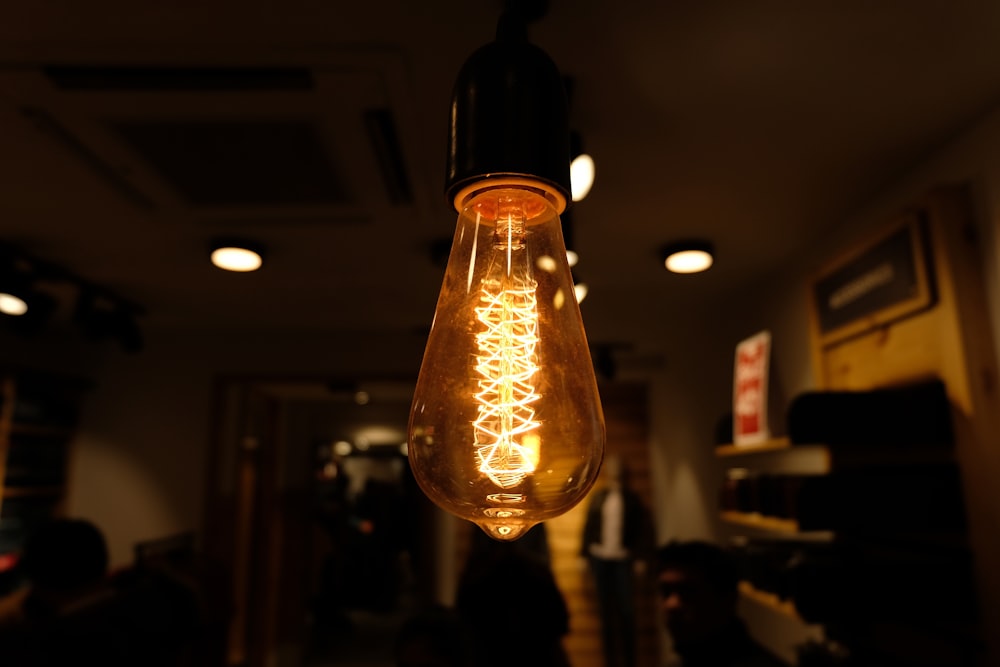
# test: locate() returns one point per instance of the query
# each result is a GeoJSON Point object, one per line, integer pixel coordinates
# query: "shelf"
{"type": "Point", "coordinates": [780, 456]}
{"type": "Point", "coordinates": [773, 526]}
{"type": "Point", "coordinates": [755, 520]}
{"type": "Point", "coordinates": [769, 600]}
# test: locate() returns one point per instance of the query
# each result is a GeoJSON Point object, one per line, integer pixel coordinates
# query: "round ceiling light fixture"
{"type": "Point", "coordinates": [691, 256]}
{"type": "Point", "coordinates": [235, 255]}
{"type": "Point", "coordinates": [13, 305]}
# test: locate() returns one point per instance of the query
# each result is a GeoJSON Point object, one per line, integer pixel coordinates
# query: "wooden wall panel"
{"type": "Point", "coordinates": [952, 341]}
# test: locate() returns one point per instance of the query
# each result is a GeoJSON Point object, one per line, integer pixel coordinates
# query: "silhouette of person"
{"type": "Point", "coordinates": [508, 597]}
{"type": "Point", "coordinates": [433, 637]}
{"type": "Point", "coordinates": [75, 613]}
{"type": "Point", "coordinates": [617, 536]}
{"type": "Point", "coordinates": [698, 587]}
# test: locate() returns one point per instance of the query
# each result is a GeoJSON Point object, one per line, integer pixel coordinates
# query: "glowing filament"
{"type": "Point", "coordinates": [506, 448]}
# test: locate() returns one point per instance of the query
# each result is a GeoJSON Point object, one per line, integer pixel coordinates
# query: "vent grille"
{"type": "Point", "coordinates": [239, 162]}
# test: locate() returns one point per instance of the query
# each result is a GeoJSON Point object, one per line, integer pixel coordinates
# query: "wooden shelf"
{"type": "Point", "coordinates": [769, 600]}
{"type": "Point", "coordinates": [775, 444]}
{"type": "Point", "coordinates": [780, 456]}
{"type": "Point", "coordinates": [755, 520]}
{"type": "Point", "coordinates": [774, 526]}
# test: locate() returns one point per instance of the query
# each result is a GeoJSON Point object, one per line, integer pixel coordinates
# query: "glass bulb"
{"type": "Point", "coordinates": [506, 428]}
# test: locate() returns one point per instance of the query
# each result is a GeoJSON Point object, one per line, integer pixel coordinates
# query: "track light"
{"type": "Point", "coordinates": [236, 255]}
{"type": "Point", "coordinates": [100, 317]}
{"type": "Point", "coordinates": [692, 256]}
{"type": "Point", "coordinates": [26, 307]}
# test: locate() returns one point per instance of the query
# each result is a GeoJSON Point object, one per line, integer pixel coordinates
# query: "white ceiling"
{"type": "Point", "coordinates": [755, 125]}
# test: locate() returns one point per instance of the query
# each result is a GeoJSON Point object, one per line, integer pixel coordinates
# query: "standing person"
{"type": "Point", "coordinates": [75, 612]}
{"type": "Point", "coordinates": [512, 605]}
{"type": "Point", "coordinates": [698, 586]}
{"type": "Point", "coordinates": [617, 535]}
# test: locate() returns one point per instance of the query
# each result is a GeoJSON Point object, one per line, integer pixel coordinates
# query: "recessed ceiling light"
{"type": "Point", "coordinates": [12, 305]}
{"type": "Point", "coordinates": [237, 256]}
{"type": "Point", "coordinates": [688, 256]}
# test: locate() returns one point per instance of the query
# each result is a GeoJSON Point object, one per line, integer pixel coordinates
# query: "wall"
{"type": "Point", "coordinates": [689, 391]}
{"type": "Point", "coordinates": [139, 462]}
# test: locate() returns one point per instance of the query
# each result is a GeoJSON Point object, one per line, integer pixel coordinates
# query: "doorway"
{"type": "Point", "coordinates": [312, 502]}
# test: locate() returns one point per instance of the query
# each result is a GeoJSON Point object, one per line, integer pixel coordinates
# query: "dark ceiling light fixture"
{"type": "Point", "coordinates": [604, 358]}
{"type": "Point", "coordinates": [351, 388]}
{"type": "Point", "coordinates": [688, 256]}
{"type": "Point", "coordinates": [101, 317]}
{"type": "Point", "coordinates": [26, 307]}
{"type": "Point", "coordinates": [506, 427]}
{"type": "Point", "coordinates": [582, 169]}
{"type": "Point", "coordinates": [237, 255]}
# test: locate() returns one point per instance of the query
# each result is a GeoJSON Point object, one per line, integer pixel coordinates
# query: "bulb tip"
{"type": "Point", "coordinates": [505, 531]}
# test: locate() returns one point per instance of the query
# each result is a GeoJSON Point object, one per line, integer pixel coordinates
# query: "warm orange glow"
{"type": "Point", "coordinates": [507, 365]}
{"type": "Point", "coordinates": [506, 428]}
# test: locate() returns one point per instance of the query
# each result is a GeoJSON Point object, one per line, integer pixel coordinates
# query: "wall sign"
{"type": "Point", "coordinates": [750, 389]}
{"type": "Point", "coordinates": [884, 281]}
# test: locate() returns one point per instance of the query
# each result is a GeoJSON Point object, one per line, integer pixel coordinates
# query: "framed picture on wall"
{"type": "Point", "coordinates": [880, 282]}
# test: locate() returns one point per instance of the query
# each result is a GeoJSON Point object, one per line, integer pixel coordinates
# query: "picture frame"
{"type": "Point", "coordinates": [887, 279]}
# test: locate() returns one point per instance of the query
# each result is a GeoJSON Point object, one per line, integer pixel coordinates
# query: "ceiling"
{"type": "Point", "coordinates": [133, 133]}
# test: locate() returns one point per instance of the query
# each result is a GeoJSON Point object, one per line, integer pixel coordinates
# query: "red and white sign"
{"type": "Point", "coordinates": [750, 390]}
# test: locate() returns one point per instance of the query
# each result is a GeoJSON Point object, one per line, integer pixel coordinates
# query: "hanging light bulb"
{"type": "Point", "coordinates": [506, 427]}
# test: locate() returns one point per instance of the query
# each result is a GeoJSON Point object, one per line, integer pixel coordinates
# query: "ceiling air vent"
{"type": "Point", "coordinates": [385, 144]}
{"type": "Point", "coordinates": [215, 79]}
{"type": "Point", "coordinates": [239, 162]}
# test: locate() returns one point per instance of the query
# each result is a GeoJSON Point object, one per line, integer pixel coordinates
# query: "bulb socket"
{"type": "Point", "coordinates": [509, 119]}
